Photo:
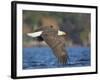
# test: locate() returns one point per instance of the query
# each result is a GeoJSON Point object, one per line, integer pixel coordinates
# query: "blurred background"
{"type": "Point", "coordinates": [37, 54]}
{"type": "Point", "coordinates": [76, 26]}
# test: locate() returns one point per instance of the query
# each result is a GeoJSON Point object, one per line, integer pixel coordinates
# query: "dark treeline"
{"type": "Point", "coordinates": [76, 25]}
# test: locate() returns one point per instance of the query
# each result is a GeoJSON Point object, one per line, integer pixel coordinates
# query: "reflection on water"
{"type": "Point", "coordinates": [42, 57]}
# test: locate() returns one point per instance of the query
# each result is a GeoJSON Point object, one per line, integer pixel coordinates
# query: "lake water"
{"type": "Point", "coordinates": [42, 57]}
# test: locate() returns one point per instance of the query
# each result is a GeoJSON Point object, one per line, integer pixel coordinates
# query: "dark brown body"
{"type": "Point", "coordinates": [50, 29]}
{"type": "Point", "coordinates": [56, 43]}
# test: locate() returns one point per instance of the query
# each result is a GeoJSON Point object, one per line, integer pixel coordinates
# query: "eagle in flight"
{"type": "Point", "coordinates": [53, 36]}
